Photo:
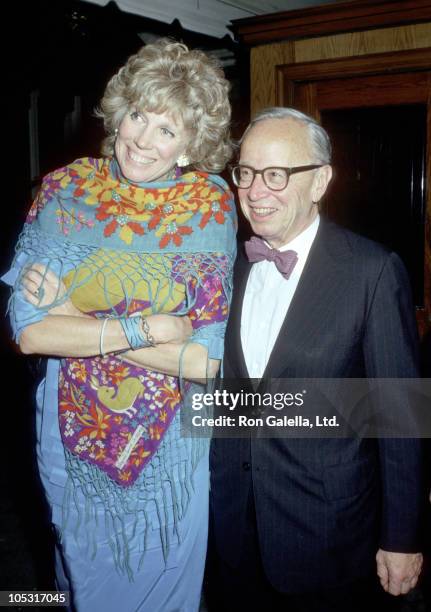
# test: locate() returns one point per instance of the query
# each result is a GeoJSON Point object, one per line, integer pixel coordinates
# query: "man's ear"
{"type": "Point", "coordinates": [321, 182]}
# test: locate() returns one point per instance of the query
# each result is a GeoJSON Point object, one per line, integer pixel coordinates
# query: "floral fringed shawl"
{"type": "Point", "coordinates": [121, 248]}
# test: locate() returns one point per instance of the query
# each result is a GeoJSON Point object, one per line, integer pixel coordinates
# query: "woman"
{"type": "Point", "coordinates": [110, 248]}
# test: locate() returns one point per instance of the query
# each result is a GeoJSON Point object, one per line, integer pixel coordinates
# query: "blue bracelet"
{"type": "Point", "coordinates": [134, 332]}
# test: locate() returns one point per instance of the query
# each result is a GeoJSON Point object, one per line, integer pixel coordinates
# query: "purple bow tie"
{"type": "Point", "coordinates": [285, 261]}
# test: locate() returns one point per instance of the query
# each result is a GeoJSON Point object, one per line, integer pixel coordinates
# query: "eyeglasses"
{"type": "Point", "coordinates": [275, 179]}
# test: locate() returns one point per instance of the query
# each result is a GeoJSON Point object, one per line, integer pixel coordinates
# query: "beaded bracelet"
{"type": "Point", "coordinates": [137, 331]}
{"type": "Point", "coordinates": [146, 331]}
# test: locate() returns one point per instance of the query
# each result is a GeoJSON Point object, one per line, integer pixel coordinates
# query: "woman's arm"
{"type": "Point", "coordinates": [80, 336]}
{"type": "Point", "coordinates": [72, 336]}
{"type": "Point", "coordinates": [165, 358]}
{"type": "Point", "coordinates": [66, 332]}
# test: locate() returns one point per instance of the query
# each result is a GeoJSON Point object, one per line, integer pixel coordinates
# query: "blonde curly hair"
{"type": "Point", "coordinates": [166, 76]}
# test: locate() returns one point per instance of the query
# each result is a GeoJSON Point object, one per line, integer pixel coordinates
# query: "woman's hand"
{"type": "Point", "coordinates": [41, 287]}
{"type": "Point", "coordinates": [171, 329]}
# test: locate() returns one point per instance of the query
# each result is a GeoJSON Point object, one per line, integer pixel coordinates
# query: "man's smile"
{"type": "Point", "coordinates": [262, 211]}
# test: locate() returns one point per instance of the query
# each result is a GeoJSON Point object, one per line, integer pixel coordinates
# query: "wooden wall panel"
{"type": "Point", "coordinates": [330, 19]}
{"type": "Point", "coordinates": [363, 43]}
{"type": "Point", "coordinates": [372, 91]}
{"type": "Point", "coordinates": [263, 60]}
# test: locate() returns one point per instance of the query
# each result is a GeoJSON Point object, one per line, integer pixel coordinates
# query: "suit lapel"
{"type": "Point", "coordinates": [319, 285]}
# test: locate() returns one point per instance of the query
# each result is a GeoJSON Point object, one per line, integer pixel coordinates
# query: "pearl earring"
{"type": "Point", "coordinates": [182, 161]}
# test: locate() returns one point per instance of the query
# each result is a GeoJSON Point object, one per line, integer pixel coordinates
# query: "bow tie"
{"type": "Point", "coordinates": [284, 261]}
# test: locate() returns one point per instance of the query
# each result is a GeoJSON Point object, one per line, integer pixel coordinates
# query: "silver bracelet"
{"type": "Point", "coordinates": [102, 332]}
{"type": "Point", "coordinates": [146, 331]}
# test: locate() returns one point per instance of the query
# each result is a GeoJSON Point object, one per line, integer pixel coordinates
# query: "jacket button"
{"type": "Point", "coordinates": [246, 466]}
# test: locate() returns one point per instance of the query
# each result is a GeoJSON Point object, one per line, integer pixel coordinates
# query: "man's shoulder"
{"type": "Point", "coordinates": [341, 240]}
{"type": "Point", "coordinates": [342, 245]}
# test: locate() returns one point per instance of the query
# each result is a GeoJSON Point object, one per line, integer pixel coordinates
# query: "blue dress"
{"type": "Point", "coordinates": [142, 547]}
{"type": "Point", "coordinates": [158, 584]}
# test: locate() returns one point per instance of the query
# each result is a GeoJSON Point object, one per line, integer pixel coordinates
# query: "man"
{"type": "Point", "coordinates": [305, 524]}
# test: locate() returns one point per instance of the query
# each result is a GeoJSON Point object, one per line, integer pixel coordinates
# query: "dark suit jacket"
{"type": "Point", "coordinates": [324, 506]}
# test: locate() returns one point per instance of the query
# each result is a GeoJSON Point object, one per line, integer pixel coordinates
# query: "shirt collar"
{"type": "Point", "coordinates": [302, 243]}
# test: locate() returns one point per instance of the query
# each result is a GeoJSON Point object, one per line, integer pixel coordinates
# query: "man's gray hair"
{"type": "Point", "coordinates": [319, 139]}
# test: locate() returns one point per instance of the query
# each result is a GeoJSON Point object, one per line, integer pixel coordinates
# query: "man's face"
{"type": "Point", "coordinates": [279, 216]}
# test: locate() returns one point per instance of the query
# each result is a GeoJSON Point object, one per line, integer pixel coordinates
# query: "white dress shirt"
{"type": "Point", "coordinates": [266, 301]}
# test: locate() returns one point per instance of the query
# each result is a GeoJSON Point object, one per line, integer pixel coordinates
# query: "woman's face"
{"type": "Point", "coordinates": [148, 145]}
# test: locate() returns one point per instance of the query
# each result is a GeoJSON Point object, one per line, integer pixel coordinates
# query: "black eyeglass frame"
{"type": "Point", "coordinates": [289, 172]}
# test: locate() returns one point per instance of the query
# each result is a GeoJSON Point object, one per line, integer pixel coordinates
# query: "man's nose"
{"type": "Point", "coordinates": [258, 188]}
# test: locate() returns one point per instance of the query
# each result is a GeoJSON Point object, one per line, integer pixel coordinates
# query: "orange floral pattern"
{"type": "Point", "coordinates": [129, 210]}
